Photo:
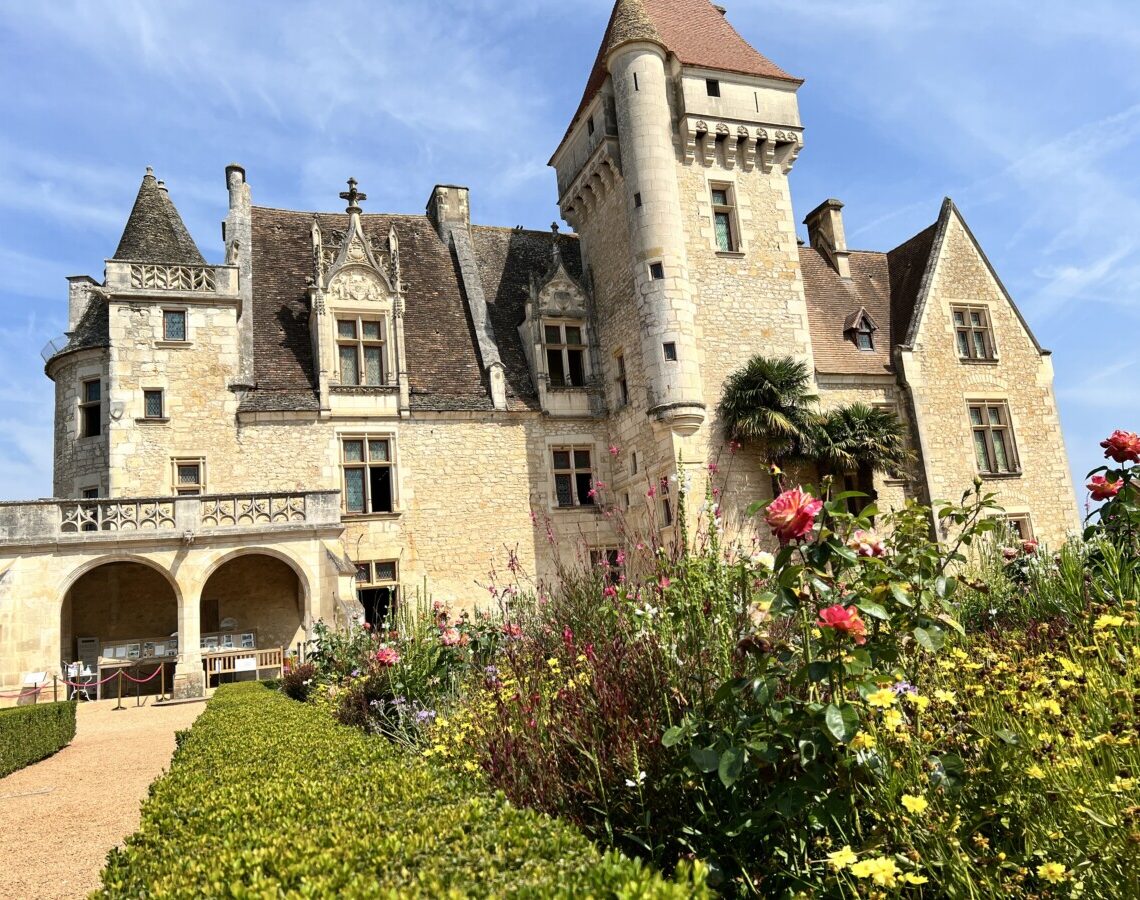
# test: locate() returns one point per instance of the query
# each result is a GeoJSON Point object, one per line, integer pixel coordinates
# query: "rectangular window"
{"type": "Point", "coordinates": [666, 501]}
{"type": "Point", "coordinates": [360, 351]}
{"type": "Point", "coordinates": [189, 477]}
{"type": "Point", "coordinates": [994, 448]}
{"type": "Point", "coordinates": [637, 200]}
{"type": "Point", "coordinates": [657, 271]}
{"type": "Point", "coordinates": [376, 590]}
{"type": "Point", "coordinates": [590, 125]}
{"type": "Point", "coordinates": [368, 476]}
{"type": "Point", "coordinates": [670, 350]}
{"type": "Point", "coordinates": [91, 408]}
{"type": "Point", "coordinates": [565, 354]}
{"type": "Point", "coordinates": [622, 381]}
{"type": "Point", "coordinates": [1020, 526]}
{"type": "Point", "coordinates": [973, 332]}
{"type": "Point", "coordinates": [605, 561]}
{"type": "Point", "coordinates": [174, 324]}
{"type": "Point", "coordinates": [153, 406]}
{"type": "Point", "coordinates": [573, 476]}
{"type": "Point", "coordinates": [633, 463]}
{"type": "Point", "coordinates": [90, 493]}
{"type": "Point", "coordinates": [724, 218]}
{"type": "Point", "coordinates": [864, 339]}
{"type": "Point", "coordinates": [713, 87]}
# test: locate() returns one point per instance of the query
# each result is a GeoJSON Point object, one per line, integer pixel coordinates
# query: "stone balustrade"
{"type": "Point", "coordinates": [124, 277]}
{"type": "Point", "coordinates": [150, 517]}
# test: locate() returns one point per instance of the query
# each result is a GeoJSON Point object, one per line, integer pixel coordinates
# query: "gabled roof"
{"type": "Point", "coordinates": [444, 369]}
{"type": "Point", "coordinates": [155, 233]}
{"type": "Point", "coordinates": [694, 31]}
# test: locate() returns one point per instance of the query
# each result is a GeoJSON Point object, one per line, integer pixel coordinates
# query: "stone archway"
{"type": "Point", "coordinates": [129, 608]}
{"type": "Point", "coordinates": [254, 593]}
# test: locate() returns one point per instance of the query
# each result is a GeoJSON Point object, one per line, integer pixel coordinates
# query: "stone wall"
{"type": "Point", "coordinates": [80, 462]}
{"type": "Point", "coordinates": [262, 594]}
{"type": "Point", "coordinates": [942, 383]}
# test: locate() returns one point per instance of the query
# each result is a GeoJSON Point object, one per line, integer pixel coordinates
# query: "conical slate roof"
{"type": "Point", "coordinates": [155, 232]}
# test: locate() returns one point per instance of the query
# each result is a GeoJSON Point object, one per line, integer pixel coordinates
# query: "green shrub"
{"type": "Point", "coordinates": [30, 733]}
{"type": "Point", "coordinates": [268, 798]}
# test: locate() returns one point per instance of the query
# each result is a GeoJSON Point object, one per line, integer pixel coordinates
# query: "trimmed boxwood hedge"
{"type": "Point", "coordinates": [267, 797]}
{"type": "Point", "coordinates": [30, 733]}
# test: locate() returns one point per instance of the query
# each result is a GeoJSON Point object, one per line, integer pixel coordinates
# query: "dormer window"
{"type": "Point", "coordinates": [360, 351]}
{"type": "Point", "coordinates": [860, 328]}
{"type": "Point", "coordinates": [565, 354]}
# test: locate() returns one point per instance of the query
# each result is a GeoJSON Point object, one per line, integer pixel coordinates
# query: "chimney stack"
{"type": "Point", "coordinates": [449, 206]}
{"type": "Point", "coordinates": [825, 234]}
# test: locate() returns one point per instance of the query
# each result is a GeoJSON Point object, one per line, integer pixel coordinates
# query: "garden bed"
{"type": "Point", "coordinates": [269, 797]}
{"type": "Point", "coordinates": [31, 733]}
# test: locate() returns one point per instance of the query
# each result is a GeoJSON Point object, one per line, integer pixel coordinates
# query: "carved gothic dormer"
{"type": "Point", "coordinates": [557, 336]}
{"type": "Point", "coordinates": [356, 318]}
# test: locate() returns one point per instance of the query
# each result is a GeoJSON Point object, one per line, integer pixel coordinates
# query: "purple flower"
{"type": "Point", "coordinates": [904, 687]}
{"type": "Point", "coordinates": [425, 716]}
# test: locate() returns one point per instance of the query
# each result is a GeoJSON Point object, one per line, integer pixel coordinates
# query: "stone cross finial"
{"type": "Point", "coordinates": [353, 196]}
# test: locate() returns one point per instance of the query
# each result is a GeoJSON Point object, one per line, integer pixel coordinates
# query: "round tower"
{"type": "Point", "coordinates": [657, 235]}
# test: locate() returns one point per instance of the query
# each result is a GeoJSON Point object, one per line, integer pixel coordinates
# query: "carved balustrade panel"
{"type": "Point", "coordinates": [172, 278]}
{"type": "Point", "coordinates": [231, 512]}
{"type": "Point", "coordinates": [116, 515]}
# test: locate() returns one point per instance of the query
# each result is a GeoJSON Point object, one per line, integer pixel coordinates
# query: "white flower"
{"type": "Point", "coordinates": [629, 782]}
{"type": "Point", "coordinates": [763, 560]}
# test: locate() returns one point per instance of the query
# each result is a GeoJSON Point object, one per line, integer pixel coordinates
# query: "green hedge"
{"type": "Point", "coordinates": [29, 733]}
{"type": "Point", "coordinates": [267, 797]}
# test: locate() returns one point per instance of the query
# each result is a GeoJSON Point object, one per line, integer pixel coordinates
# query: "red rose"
{"type": "Point", "coordinates": [792, 514]}
{"type": "Point", "coordinates": [387, 656]}
{"type": "Point", "coordinates": [1103, 489]}
{"type": "Point", "coordinates": [846, 619]}
{"type": "Point", "coordinates": [1122, 446]}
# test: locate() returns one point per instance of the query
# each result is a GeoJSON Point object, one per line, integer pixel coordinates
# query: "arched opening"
{"type": "Point", "coordinates": [121, 614]}
{"type": "Point", "coordinates": [254, 600]}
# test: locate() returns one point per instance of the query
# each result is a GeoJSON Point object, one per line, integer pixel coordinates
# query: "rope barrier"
{"type": "Point", "coordinates": [22, 693]}
{"type": "Point", "coordinates": [150, 677]}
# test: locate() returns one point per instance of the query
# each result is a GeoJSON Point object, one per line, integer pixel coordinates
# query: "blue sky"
{"type": "Point", "coordinates": [1028, 115]}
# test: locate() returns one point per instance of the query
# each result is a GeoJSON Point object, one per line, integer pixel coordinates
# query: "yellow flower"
{"type": "Point", "coordinates": [1107, 621]}
{"type": "Point", "coordinates": [841, 859]}
{"type": "Point", "coordinates": [881, 870]}
{"type": "Point", "coordinates": [914, 804]}
{"type": "Point", "coordinates": [1053, 872]}
{"type": "Point", "coordinates": [1035, 771]}
{"type": "Point", "coordinates": [882, 698]}
{"type": "Point", "coordinates": [893, 719]}
{"type": "Point", "coordinates": [945, 696]}
{"type": "Point", "coordinates": [917, 700]}
{"type": "Point", "coordinates": [863, 741]}
{"type": "Point", "coordinates": [911, 878]}
{"type": "Point", "coordinates": [1120, 785]}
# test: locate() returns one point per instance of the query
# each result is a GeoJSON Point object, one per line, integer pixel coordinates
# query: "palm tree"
{"type": "Point", "coordinates": [769, 403]}
{"type": "Point", "coordinates": [861, 439]}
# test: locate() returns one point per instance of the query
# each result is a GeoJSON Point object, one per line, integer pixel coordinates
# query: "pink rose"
{"type": "Point", "coordinates": [1029, 547]}
{"type": "Point", "coordinates": [449, 637]}
{"type": "Point", "coordinates": [1103, 489]}
{"type": "Point", "coordinates": [1009, 553]}
{"type": "Point", "coordinates": [867, 543]}
{"type": "Point", "coordinates": [387, 656]}
{"type": "Point", "coordinates": [845, 619]}
{"type": "Point", "coordinates": [1122, 446]}
{"type": "Point", "coordinates": [792, 514]}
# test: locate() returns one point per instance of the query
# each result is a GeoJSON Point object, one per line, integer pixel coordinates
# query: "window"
{"type": "Point", "coordinates": [1019, 526]}
{"type": "Point", "coordinates": [174, 324]}
{"type": "Point", "coordinates": [636, 86]}
{"type": "Point", "coordinates": [665, 501]}
{"type": "Point", "coordinates": [376, 590]}
{"type": "Point", "coordinates": [657, 270]}
{"type": "Point", "coordinates": [573, 476]}
{"type": "Point", "coordinates": [993, 438]}
{"type": "Point", "coordinates": [637, 200]}
{"type": "Point", "coordinates": [670, 350]}
{"type": "Point", "coordinates": [974, 334]}
{"type": "Point", "coordinates": [565, 355]}
{"type": "Point", "coordinates": [189, 477]}
{"type": "Point", "coordinates": [864, 338]}
{"type": "Point", "coordinates": [91, 408]}
{"type": "Point", "coordinates": [590, 125]}
{"type": "Point", "coordinates": [622, 381]}
{"type": "Point", "coordinates": [713, 87]}
{"type": "Point", "coordinates": [367, 464]}
{"type": "Point", "coordinates": [633, 463]}
{"type": "Point", "coordinates": [153, 405]}
{"type": "Point", "coordinates": [724, 218]}
{"type": "Point", "coordinates": [360, 351]}
{"type": "Point", "coordinates": [607, 561]}
{"type": "Point", "coordinates": [90, 493]}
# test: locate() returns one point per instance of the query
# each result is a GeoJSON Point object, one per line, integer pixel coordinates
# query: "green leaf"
{"type": "Point", "coordinates": [819, 671]}
{"type": "Point", "coordinates": [1096, 818]}
{"type": "Point", "coordinates": [842, 722]}
{"type": "Point", "coordinates": [706, 759]}
{"type": "Point", "coordinates": [731, 765]}
{"type": "Point", "coordinates": [873, 610]}
{"type": "Point", "coordinates": [898, 591]}
{"type": "Point", "coordinates": [930, 639]}
{"type": "Point", "coordinates": [671, 736]}
{"type": "Point", "coordinates": [953, 623]}
{"type": "Point", "coordinates": [1008, 736]}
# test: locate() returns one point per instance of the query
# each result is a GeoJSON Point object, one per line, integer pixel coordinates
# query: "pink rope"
{"type": "Point", "coordinates": [88, 684]}
{"type": "Point", "coordinates": [150, 677]}
{"type": "Point", "coordinates": [23, 693]}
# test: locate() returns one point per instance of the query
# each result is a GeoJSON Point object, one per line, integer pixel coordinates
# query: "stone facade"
{"type": "Point", "coordinates": [428, 340]}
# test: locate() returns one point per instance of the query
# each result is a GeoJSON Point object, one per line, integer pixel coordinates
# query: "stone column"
{"type": "Point", "coordinates": [189, 679]}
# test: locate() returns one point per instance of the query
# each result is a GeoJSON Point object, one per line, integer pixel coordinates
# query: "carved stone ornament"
{"type": "Point", "coordinates": [356, 286]}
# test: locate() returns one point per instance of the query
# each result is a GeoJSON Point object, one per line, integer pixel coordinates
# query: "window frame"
{"type": "Point", "coordinates": [198, 489]}
{"type": "Point", "coordinates": [573, 472]}
{"type": "Point", "coordinates": [175, 310]}
{"type": "Point", "coordinates": [665, 502]}
{"type": "Point", "coordinates": [986, 427]}
{"type": "Point", "coordinates": [728, 209]}
{"type": "Point", "coordinates": [360, 344]}
{"type": "Point", "coordinates": [366, 464]}
{"type": "Point", "coordinates": [565, 348]}
{"type": "Point", "coordinates": [868, 333]}
{"type": "Point", "coordinates": [712, 87]}
{"type": "Point", "coordinates": [968, 332]}
{"type": "Point", "coordinates": [1020, 525]}
{"type": "Point", "coordinates": [657, 270]}
{"type": "Point", "coordinates": [669, 351]}
{"type": "Point", "coordinates": [90, 410]}
{"type": "Point", "coordinates": [162, 416]}
{"type": "Point", "coordinates": [622, 379]}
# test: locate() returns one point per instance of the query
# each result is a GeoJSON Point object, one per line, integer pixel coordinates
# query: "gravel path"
{"type": "Point", "coordinates": [59, 817]}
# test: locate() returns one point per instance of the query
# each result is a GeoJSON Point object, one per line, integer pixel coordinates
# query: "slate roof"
{"type": "Point", "coordinates": [155, 233]}
{"type": "Point", "coordinates": [93, 328]}
{"type": "Point", "coordinates": [444, 370]}
{"type": "Point", "coordinates": [694, 31]}
{"type": "Point", "coordinates": [908, 262]}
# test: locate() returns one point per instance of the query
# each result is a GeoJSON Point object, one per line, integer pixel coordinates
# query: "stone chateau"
{"type": "Point", "coordinates": [356, 406]}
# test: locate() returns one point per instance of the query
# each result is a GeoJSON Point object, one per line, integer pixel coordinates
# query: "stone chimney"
{"type": "Point", "coordinates": [825, 234]}
{"type": "Point", "coordinates": [79, 289]}
{"type": "Point", "coordinates": [449, 206]}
